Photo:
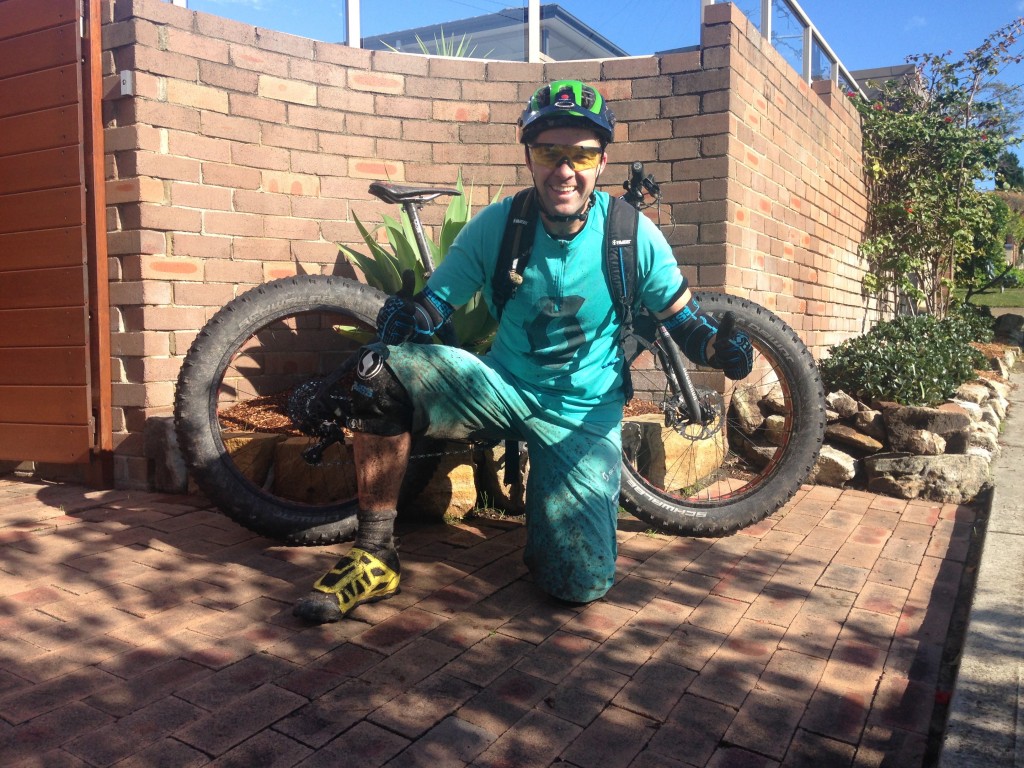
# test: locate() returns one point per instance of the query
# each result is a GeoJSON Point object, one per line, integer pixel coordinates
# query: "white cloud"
{"type": "Point", "coordinates": [916, 22]}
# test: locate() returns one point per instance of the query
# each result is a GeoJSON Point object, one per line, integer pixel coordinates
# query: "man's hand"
{"type": "Point", "coordinates": [733, 353]}
{"type": "Point", "coordinates": [404, 316]}
{"type": "Point", "coordinates": [396, 321]}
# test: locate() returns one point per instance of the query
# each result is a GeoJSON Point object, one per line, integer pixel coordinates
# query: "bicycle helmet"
{"type": "Point", "coordinates": [566, 103]}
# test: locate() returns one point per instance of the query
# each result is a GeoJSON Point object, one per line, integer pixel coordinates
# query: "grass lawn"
{"type": "Point", "coordinates": [1011, 297]}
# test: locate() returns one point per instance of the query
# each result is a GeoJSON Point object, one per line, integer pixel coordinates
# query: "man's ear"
{"type": "Point", "coordinates": [529, 162]}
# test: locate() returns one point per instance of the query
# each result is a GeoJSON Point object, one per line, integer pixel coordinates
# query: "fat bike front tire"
{"type": "Point", "coordinates": [751, 459]}
{"type": "Point", "coordinates": [254, 351]}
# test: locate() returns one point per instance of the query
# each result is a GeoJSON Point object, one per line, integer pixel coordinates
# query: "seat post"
{"type": "Point", "coordinates": [412, 211]}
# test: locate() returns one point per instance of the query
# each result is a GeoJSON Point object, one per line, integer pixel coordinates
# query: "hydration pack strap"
{"type": "Point", "coordinates": [516, 247]}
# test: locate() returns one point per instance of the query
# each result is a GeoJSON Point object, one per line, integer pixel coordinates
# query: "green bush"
{"type": "Point", "coordinates": [972, 321]}
{"type": "Point", "coordinates": [910, 360]}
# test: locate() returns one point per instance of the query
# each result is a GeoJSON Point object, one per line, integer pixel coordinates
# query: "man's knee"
{"type": "Point", "coordinates": [380, 404]}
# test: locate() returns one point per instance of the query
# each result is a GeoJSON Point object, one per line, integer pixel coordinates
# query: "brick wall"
{"type": "Point", "coordinates": [244, 153]}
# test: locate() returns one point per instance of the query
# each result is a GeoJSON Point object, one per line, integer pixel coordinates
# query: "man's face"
{"type": "Point", "coordinates": [564, 189]}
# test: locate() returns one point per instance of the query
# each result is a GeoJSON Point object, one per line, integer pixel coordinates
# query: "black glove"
{"type": "Point", "coordinates": [396, 321]}
{"type": "Point", "coordinates": [406, 317]}
{"type": "Point", "coordinates": [733, 354]}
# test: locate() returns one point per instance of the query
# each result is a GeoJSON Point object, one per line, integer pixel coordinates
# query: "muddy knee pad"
{"type": "Point", "coordinates": [380, 404]}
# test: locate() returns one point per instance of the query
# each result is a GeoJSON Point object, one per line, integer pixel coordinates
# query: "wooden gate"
{"type": "Point", "coordinates": [54, 316]}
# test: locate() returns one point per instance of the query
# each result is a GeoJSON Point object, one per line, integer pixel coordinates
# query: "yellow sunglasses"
{"type": "Point", "coordinates": [579, 158]}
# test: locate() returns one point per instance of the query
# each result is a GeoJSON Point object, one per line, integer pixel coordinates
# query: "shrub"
{"type": "Point", "coordinates": [973, 322]}
{"type": "Point", "coordinates": [910, 360]}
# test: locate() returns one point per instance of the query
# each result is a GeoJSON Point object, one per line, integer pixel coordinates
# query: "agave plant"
{"type": "Point", "coordinates": [462, 48]}
{"type": "Point", "coordinates": [383, 266]}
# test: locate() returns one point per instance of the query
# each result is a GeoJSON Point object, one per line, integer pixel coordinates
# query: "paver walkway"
{"type": "Point", "coordinates": [147, 630]}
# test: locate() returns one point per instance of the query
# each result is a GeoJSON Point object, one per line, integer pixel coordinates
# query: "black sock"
{"type": "Point", "coordinates": [376, 530]}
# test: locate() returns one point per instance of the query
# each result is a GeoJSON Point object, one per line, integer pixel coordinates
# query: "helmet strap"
{"type": "Point", "coordinates": [580, 215]}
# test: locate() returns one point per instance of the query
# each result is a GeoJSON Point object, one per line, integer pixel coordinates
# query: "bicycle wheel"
{"type": "Point", "coordinates": [231, 398]}
{"type": "Point", "coordinates": [750, 459]}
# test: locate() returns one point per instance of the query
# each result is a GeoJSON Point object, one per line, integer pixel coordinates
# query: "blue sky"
{"type": "Point", "coordinates": [863, 33]}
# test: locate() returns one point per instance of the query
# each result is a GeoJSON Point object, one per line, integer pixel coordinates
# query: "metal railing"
{"type": "Point", "coordinates": [795, 37]}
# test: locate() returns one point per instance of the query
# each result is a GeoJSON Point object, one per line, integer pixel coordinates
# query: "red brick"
{"type": "Point", "coordinates": [200, 196]}
{"type": "Point", "coordinates": [227, 77]}
{"type": "Point", "coordinates": [266, 62]}
{"type": "Point", "coordinates": [226, 727]}
{"type": "Point", "coordinates": [233, 176]}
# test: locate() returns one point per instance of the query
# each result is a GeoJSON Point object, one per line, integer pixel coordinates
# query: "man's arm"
{"type": "Point", "coordinates": [697, 334]}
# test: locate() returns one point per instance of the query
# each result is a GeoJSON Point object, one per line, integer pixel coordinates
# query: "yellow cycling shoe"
{"type": "Point", "coordinates": [359, 577]}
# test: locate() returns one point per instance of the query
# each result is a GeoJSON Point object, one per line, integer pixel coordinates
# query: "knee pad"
{"type": "Point", "coordinates": [380, 404]}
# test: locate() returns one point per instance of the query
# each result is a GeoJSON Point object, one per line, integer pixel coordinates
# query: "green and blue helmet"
{"type": "Point", "coordinates": [566, 103]}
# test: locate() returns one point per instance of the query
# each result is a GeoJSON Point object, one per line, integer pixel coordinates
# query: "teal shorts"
{"type": "Point", "coordinates": [572, 493]}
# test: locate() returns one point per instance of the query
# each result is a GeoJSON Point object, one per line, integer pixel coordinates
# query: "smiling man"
{"type": "Point", "coordinates": [554, 376]}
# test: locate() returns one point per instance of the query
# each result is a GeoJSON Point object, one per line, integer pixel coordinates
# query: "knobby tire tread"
{"type": "Point", "coordinates": [728, 515]}
{"type": "Point", "coordinates": [195, 410]}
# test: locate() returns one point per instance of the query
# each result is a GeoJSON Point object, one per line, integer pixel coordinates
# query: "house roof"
{"type": "Point", "coordinates": [502, 35]}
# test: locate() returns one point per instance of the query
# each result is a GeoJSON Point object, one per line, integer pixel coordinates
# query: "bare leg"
{"type": "Point", "coordinates": [380, 467]}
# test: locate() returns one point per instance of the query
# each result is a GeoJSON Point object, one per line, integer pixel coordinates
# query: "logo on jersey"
{"type": "Point", "coordinates": [555, 333]}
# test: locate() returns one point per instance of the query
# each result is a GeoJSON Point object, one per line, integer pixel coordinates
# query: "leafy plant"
{"type": "Point", "coordinates": [917, 360]}
{"type": "Point", "coordinates": [446, 47]}
{"type": "Point", "coordinates": [927, 142]}
{"type": "Point", "coordinates": [383, 266]}
{"type": "Point", "coordinates": [972, 322]}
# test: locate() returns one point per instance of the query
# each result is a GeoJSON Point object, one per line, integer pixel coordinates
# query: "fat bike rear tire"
{"type": "Point", "coordinates": [761, 446]}
{"type": "Point", "coordinates": [255, 349]}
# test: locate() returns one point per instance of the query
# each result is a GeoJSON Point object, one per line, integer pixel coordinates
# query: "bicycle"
{"type": "Point", "coordinates": [702, 456]}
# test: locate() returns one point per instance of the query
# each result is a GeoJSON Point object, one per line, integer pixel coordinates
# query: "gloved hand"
{"type": "Point", "coordinates": [733, 354]}
{"type": "Point", "coordinates": [396, 321]}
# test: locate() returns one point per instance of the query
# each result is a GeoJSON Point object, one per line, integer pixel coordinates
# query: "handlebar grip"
{"type": "Point", "coordinates": [636, 175]}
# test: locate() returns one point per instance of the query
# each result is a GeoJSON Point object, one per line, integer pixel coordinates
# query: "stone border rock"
{"type": "Point", "coordinates": [939, 454]}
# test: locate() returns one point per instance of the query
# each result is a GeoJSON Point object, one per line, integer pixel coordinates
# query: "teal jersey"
{"type": "Point", "coordinates": [558, 335]}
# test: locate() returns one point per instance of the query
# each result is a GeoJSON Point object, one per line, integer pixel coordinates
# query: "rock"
{"type": "Point", "coordinates": [834, 468]}
{"type": "Point", "coordinates": [334, 479]}
{"type": "Point", "coordinates": [972, 392]}
{"type": "Point", "coordinates": [871, 423]}
{"type": "Point", "coordinates": [774, 401]}
{"type": "Point", "coordinates": [775, 429]}
{"type": "Point", "coordinates": [495, 489]}
{"type": "Point", "coordinates": [252, 453]}
{"type": "Point", "coordinates": [914, 429]}
{"type": "Point", "coordinates": [954, 479]}
{"type": "Point", "coordinates": [999, 364]}
{"type": "Point", "coordinates": [988, 415]}
{"type": "Point", "coordinates": [450, 490]}
{"type": "Point", "coordinates": [841, 403]}
{"type": "Point", "coordinates": [167, 470]}
{"type": "Point", "coordinates": [999, 388]}
{"type": "Point", "coordinates": [981, 453]}
{"type": "Point", "coordinates": [850, 436]}
{"type": "Point", "coordinates": [998, 405]}
{"type": "Point", "coordinates": [1009, 329]}
{"type": "Point", "coordinates": [745, 409]}
{"type": "Point", "coordinates": [973, 410]}
{"type": "Point", "coordinates": [665, 457]}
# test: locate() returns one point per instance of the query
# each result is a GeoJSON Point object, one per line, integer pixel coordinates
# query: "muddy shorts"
{"type": "Point", "coordinates": [572, 494]}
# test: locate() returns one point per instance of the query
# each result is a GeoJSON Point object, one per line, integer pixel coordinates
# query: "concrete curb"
{"type": "Point", "coordinates": [984, 725]}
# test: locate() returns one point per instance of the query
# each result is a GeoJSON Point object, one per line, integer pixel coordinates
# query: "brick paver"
{"type": "Point", "coordinates": [144, 629]}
